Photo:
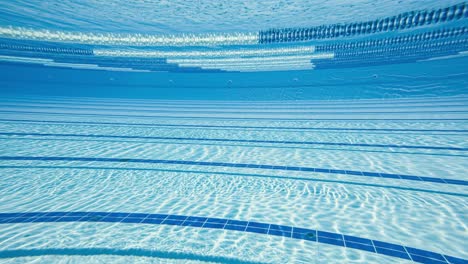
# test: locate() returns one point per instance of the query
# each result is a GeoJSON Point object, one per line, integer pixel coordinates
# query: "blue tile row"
{"type": "Point", "coordinates": [257, 127]}
{"type": "Point", "coordinates": [236, 140]}
{"type": "Point", "coordinates": [244, 165]}
{"type": "Point", "coordinates": [359, 109]}
{"type": "Point", "coordinates": [264, 127]}
{"type": "Point", "coordinates": [262, 118]}
{"type": "Point", "coordinates": [359, 243]}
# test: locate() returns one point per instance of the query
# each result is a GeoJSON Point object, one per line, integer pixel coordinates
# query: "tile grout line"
{"type": "Point", "coordinates": [411, 257]}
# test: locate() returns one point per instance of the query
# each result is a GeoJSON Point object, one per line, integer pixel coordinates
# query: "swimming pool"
{"type": "Point", "coordinates": [236, 132]}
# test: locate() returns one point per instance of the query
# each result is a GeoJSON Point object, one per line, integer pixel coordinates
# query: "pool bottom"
{"type": "Point", "coordinates": [318, 236]}
{"type": "Point", "coordinates": [178, 244]}
{"type": "Point", "coordinates": [194, 160]}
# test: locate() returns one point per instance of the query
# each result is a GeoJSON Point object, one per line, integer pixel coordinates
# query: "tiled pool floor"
{"type": "Point", "coordinates": [164, 181]}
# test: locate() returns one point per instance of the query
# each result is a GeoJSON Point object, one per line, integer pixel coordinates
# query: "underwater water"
{"type": "Point", "coordinates": [233, 131]}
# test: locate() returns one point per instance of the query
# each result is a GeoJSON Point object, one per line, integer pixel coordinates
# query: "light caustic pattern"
{"type": "Point", "coordinates": [373, 181]}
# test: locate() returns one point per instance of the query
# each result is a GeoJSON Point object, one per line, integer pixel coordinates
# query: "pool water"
{"type": "Point", "coordinates": [157, 132]}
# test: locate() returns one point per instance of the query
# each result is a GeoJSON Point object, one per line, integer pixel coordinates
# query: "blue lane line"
{"type": "Point", "coordinates": [234, 140]}
{"type": "Point", "coordinates": [394, 151]}
{"type": "Point", "coordinates": [257, 104]}
{"type": "Point", "coordinates": [266, 110]}
{"type": "Point", "coordinates": [244, 165]}
{"type": "Point", "coordinates": [330, 238]}
{"type": "Point", "coordinates": [135, 252]}
{"type": "Point", "coordinates": [262, 176]}
{"type": "Point", "coordinates": [292, 114]}
{"type": "Point", "coordinates": [243, 127]}
{"type": "Point", "coordinates": [208, 108]}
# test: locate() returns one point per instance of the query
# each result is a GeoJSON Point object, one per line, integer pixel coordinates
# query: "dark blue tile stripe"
{"type": "Point", "coordinates": [455, 260]}
{"type": "Point", "coordinates": [181, 257]}
{"type": "Point", "coordinates": [311, 113]}
{"type": "Point", "coordinates": [337, 239]}
{"type": "Point", "coordinates": [258, 113]}
{"type": "Point", "coordinates": [208, 108]}
{"type": "Point", "coordinates": [243, 165]}
{"type": "Point", "coordinates": [236, 140]}
{"type": "Point", "coordinates": [262, 119]}
{"type": "Point", "coordinates": [138, 102]}
{"type": "Point", "coordinates": [266, 127]}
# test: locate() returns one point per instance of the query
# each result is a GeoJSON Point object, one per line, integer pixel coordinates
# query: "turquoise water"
{"type": "Point", "coordinates": [233, 132]}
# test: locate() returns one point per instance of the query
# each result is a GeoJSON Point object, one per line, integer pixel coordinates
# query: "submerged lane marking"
{"type": "Point", "coordinates": [250, 166]}
{"type": "Point", "coordinates": [211, 112]}
{"type": "Point", "coordinates": [244, 127]}
{"type": "Point", "coordinates": [248, 145]}
{"type": "Point", "coordinates": [236, 140]}
{"type": "Point", "coordinates": [135, 252]}
{"type": "Point", "coordinates": [325, 237]}
{"type": "Point", "coordinates": [238, 175]}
